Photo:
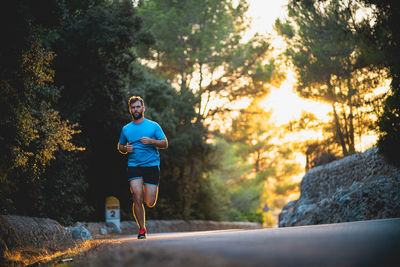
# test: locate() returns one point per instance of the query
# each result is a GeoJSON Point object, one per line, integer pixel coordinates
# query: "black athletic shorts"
{"type": "Point", "coordinates": [150, 175]}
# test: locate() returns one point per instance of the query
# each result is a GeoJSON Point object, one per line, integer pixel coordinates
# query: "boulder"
{"type": "Point", "coordinates": [361, 186]}
{"type": "Point", "coordinates": [103, 231]}
{"type": "Point", "coordinates": [79, 233]}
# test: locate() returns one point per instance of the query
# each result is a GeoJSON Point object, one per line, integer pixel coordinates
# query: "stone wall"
{"type": "Point", "coordinates": [19, 231]}
{"type": "Point", "coordinates": [29, 237]}
{"type": "Point", "coordinates": [358, 187]}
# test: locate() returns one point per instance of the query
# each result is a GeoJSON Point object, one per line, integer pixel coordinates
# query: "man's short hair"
{"type": "Point", "coordinates": [134, 99]}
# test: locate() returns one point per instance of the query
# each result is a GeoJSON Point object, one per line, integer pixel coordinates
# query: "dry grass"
{"type": "Point", "coordinates": [108, 252]}
{"type": "Point", "coordinates": [28, 255]}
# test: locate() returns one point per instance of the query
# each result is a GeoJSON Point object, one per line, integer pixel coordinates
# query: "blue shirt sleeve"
{"type": "Point", "coordinates": [122, 138]}
{"type": "Point", "coordinates": [159, 132]}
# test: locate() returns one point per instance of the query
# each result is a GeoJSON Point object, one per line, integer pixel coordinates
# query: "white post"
{"type": "Point", "coordinates": [113, 211]}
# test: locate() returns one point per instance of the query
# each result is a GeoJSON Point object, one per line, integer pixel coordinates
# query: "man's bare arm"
{"type": "Point", "coordinates": [125, 148]}
{"type": "Point", "coordinates": [162, 144]}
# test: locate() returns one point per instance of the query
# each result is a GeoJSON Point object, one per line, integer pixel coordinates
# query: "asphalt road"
{"type": "Point", "coordinates": [364, 243]}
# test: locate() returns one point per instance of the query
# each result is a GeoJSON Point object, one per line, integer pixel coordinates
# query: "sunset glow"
{"type": "Point", "coordinates": [264, 13]}
{"type": "Point", "coordinates": [283, 101]}
{"type": "Point", "coordinates": [287, 106]}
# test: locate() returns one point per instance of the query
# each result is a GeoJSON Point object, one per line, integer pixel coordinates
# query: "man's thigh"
{"type": "Point", "coordinates": [150, 194]}
{"type": "Point", "coordinates": [136, 186]}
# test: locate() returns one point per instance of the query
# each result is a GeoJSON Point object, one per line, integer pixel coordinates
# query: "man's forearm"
{"type": "Point", "coordinates": [162, 144]}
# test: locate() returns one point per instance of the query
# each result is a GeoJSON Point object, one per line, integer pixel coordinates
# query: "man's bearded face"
{"type": "Point", "coordinates": [137, 110]}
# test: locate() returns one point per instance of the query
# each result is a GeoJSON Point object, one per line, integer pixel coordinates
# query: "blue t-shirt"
{"type": "Point", "coordinates": [142, 155]}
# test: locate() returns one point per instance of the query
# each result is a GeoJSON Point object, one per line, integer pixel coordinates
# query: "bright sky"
{"type": "Point", "coordinates": [264, 13]}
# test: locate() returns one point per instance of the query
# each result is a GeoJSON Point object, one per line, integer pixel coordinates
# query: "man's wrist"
{"type": "Point", "coordinates": [122, 149]}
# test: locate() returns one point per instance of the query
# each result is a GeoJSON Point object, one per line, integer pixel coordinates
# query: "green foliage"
{"type": "Point", "coordinates": [284, 29]}
{"type": "Point", "coordinates": [389, 139]}
{"type": "Point", "coordinates": [66, 186]}
{"type": "Point", "coordinates": [262, 169]}
{"type": "Point", "coordinates": [32, 130]}
{"type": "Point", "coordinates": [200, 46]}
{"type": "Point", "coordinates": [332, 59]}
{"type": "Point", "coordinates": [317, 152]}
{"type": "Point", "coordinates": [386, 37]}
{"type": "Point", "coordinates": [237, 198]}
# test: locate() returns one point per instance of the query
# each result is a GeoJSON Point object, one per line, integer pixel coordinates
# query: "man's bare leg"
{"type": "Point", "coordinates": [150, 195]}
{"type": "Point", "coordinates": [138, 208]}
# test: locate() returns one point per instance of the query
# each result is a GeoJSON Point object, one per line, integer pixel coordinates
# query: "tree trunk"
{"type": "Point", "coordinates": [158, 62]}
{"type": "Point", "coordinates": [183, 69]}
{"type": "Point", "coordinates": [339, 131]}
{"type": "Point", "coordinates": [351, 143]}
{"type": "Point", "coordinates": [257, 163]}
{"type": "Point", "coordinates": [352, 147]}
{"type": "Point", "coordinates": [200, 89]}
{"type": "Point", "coordinates": [346, 128]}
{"type": "Point", "coordinates": [308, 156]}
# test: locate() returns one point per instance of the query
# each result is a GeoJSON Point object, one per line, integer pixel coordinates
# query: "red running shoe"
{"type": "Point", "coordinates": [142, 234]}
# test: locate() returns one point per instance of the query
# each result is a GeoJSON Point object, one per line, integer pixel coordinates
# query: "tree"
{"type": "Point", "coordinates": [327, 48]}
{"type": "Point", "coordinates": [317, 152]}
{"type": "Point", "coordinates": [32, 130]}
{"type": "Point", "coordinates": [89, 52]}
{"type": "Point", "coordinates": [273, 164]}
{"type": "Point", "coordinates": [238, 198]}
{"type": "Point", "coordinates": [385, 35]}
{"type": "Point", "coordinates": [200, 46]}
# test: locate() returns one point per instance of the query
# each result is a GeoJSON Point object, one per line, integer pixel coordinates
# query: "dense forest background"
{"type": "Point", "coordinates": [69, 67]}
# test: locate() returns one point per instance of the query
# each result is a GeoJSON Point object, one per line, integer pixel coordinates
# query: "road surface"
{"type": "Point", "coordinates": [364, 243]}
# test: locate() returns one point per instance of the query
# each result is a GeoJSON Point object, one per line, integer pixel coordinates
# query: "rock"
{"type": "Point", "coordinates": [103, 231]}
{"type": "Point", "coordinates": [100, 229]}
{"type": "Point", "coordinates": [80, 233]}
{"type": "Point", "coordinates": [112, 228]}
{"type": "Point", "coordinates": [358, 187]}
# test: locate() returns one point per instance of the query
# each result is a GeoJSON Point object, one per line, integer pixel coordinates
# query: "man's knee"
{"type": "Point", "coordinates": [150, 204]}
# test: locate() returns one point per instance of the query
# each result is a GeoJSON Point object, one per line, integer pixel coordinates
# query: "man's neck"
{"type": "Point", "coordinates": [138, 121]}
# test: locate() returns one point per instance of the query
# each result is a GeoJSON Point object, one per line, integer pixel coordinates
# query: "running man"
{"type": "Point", "coordinates": [141, 139]}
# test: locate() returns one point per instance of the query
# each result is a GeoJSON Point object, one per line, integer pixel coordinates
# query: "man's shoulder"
{"type": "Point", "coordinates": [150, 122]}
{"type": "Point", "coordinates": [127, 125]}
